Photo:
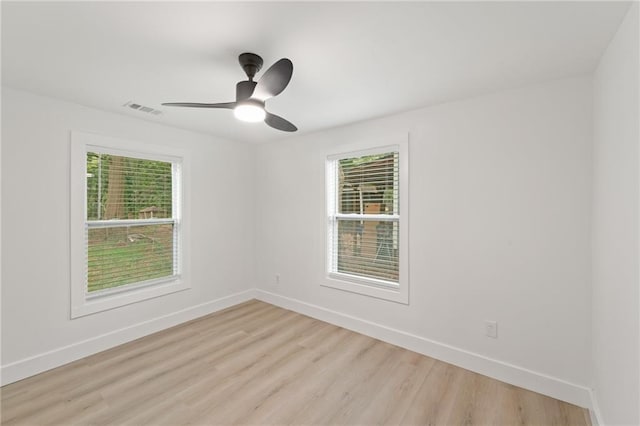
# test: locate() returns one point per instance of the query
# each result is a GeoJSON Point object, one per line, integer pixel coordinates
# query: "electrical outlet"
{"type": "Point", "coordinates": [491, 329]}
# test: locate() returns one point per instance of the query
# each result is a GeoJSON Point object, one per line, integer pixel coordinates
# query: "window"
{"type": "Point", "coordinates": [366, 229]}
{"type": "Point", "coordinates": [126, 224]}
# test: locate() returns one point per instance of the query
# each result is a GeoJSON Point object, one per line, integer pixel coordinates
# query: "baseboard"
{"type": "Point", "coordinates": [23, 368]}
{"type": "Point", "coordinates": [515, 375]}
{"type": "Point", "coordinates": [509, 373]}
{"type": "Point", "coordinates": [594, 412]}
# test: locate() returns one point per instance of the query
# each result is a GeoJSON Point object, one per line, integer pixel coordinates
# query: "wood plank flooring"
{"type": "Point", "coordinates": [256, 363]}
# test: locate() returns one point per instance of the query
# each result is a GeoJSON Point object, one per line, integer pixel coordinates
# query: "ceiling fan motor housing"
{"type": "Point", "coordinates": [244, 90]}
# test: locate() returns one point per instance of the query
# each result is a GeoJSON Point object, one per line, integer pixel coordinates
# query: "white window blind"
{"type": "Point", "coordinates": [364, 216]}
{"type": "Point", "coordinates": [131, 222]}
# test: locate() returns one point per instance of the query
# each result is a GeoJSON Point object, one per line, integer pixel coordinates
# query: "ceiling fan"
{"type": "Point", "coordinates": [251, 95]}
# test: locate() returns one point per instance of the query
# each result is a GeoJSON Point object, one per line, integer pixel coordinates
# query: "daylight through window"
{"type": "Point", "coordinates": [364, 217]}
{"type": "Point", "coordinates": [131, 228]}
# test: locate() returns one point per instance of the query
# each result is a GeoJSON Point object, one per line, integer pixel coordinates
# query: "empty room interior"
{"type": "Point", "coordinates": [320, 213]}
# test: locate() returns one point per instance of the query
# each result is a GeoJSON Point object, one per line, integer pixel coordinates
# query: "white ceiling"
{"type": "Point", "coordinates": [352, 61]}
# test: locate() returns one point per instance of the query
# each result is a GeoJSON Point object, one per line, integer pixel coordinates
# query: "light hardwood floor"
{"type": "Point", "coordinates": [256, 363]}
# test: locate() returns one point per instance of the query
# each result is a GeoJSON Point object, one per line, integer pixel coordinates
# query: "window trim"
{"type": "Point", "coordinates": [372, 287]}
{"type": "Point", "coordinates": [83, 303]}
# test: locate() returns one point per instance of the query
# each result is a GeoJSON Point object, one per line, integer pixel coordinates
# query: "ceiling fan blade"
{"type": "Point", "coordinates": [274, 80]}
{"type": "Point", "coordinates": [227, 105]}
{"type": "Point", "coordinates": [279, 123]}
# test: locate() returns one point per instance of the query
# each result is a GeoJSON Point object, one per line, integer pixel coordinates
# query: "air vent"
{"type": "Point", "coordinates": [142, 108]}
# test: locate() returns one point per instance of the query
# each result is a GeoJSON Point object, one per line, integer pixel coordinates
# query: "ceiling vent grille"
{"type": "Point", "coordinates": [142, 108]}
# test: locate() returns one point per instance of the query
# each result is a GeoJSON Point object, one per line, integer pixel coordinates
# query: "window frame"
{"type": "Point", "coordinates": [82, 302]}
{"type": "Point", "coordinates": [368, 286]}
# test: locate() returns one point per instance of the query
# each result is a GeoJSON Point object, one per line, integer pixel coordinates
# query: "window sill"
{"type": "Point", "coordinates": [372, 288]}
{"type": "Point", "coordinates": [104, 302]}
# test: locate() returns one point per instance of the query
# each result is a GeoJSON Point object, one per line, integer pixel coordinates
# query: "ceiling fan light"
{"type": "Point", "coordinates": [249, 112]}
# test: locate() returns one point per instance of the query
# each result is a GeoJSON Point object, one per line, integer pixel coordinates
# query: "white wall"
{"type": "Point", "coordinates": [35, 231]}
{"type": "Point", "coordinates": [500, 201]}
{"type": "Point", "coordinates": [616, 355]}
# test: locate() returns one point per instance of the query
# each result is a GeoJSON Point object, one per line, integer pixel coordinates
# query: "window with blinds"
{"type": "Point", "coordinates": [128, 239]}
{"type": "Point", "coordinates": [363, 201]}
{"type": "Point", "coordinates": [131, 225]}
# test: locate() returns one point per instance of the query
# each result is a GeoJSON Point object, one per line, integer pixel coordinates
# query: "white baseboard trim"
{"type": "Point", "coordinates": [594, 411]}
{"type": "Point", "coordinates": [23, 368]}
{"type": "Point", "coordinates": [509, 373]}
